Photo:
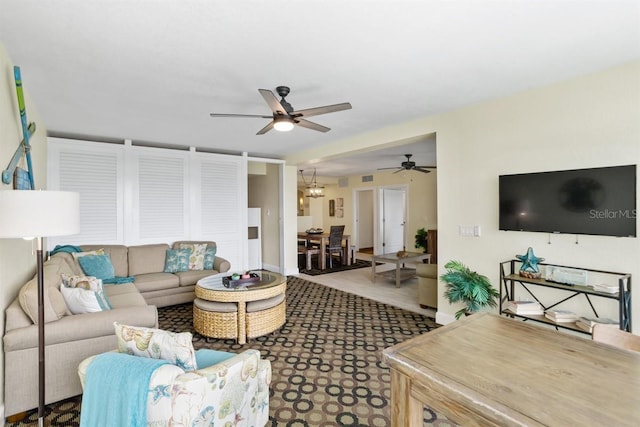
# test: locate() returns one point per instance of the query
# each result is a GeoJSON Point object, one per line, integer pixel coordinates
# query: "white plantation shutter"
{"type": "Point", "coordinates": [222, 206]}
{"type": "Point", "coordinates": [161, 197]}
{"type": "Point", "coordinates": [95, 173]}
{"type": "Point", "coordinates": [134, 195]}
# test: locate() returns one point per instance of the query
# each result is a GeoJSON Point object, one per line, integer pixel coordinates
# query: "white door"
{"type": "Point", "coordinates": [393, 219]}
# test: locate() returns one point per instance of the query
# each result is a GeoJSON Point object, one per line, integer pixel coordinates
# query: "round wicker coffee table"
{"type": "Point", "coordinates": [240, 312]}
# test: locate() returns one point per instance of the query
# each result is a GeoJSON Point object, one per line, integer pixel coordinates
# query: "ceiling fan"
{"type": "Point", "coordinates": [284, 117]}
{"type": "Point", "coordinates": [410, 165]}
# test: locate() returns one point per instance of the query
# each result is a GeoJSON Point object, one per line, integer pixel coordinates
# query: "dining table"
{"type": "Point", "coordinates": [323, 240]}
{"type": "Point", "coordinates": [491, 370]}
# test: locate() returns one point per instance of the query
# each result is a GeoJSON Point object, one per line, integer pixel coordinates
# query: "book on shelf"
{"type": "Point", "coordinates": [525, 307]}
{"type": "Point", "coordinates": [560, 316]}
{"type": "Point", "coordinates": [603, 287]}
{"type": "Point", "coordinates": [587, 323]}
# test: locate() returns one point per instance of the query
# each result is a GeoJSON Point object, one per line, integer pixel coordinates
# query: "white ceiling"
{"type": "Point", "coordinates": [152, 71]}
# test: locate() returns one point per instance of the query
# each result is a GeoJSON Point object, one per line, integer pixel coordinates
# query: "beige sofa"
{"type": "Point", "coordinates": [71, 338]}
{"type": "Point", "coordinates": [146, 264]}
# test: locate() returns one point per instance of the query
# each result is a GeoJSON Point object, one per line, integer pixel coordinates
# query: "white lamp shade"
{"type": "Point", "coordinates": [33, 213]}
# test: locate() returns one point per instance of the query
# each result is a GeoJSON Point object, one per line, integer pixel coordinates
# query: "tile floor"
{"type": "Point", "coordinates": [384, 290]}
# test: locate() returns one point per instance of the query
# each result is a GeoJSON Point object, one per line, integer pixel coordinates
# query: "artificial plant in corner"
{"type": "Point", "coordinates": [468, 287]}
{"type": "Point", "coordinates": [421, 240]}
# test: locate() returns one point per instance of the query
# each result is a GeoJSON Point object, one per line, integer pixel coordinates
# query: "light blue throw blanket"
{"type": "Point", "coordinates": [116, 389]}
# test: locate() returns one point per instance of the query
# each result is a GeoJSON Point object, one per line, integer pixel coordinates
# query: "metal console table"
{"type": "Point", "coordinates": [511, 278]}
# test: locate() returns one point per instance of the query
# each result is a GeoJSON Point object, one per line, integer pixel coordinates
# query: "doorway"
{"type": "Point", "coordinates": [380, 216]}
{"type": "Point", "coordinates": [393, 208]}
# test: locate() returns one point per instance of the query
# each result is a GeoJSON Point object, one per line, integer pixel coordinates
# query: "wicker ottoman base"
{"type": "Point", "coordinates": [266, 321]}
{"type": "Point", "coordinates": [214, 324]}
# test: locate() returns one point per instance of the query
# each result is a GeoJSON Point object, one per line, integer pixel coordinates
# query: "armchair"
{"type": "Point", "coordinates": [225, 389]}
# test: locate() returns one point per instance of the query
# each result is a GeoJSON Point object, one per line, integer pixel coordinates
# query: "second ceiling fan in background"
{"type": "Point", "coordinates": [284, 117]}
{"type": "Point", "coordinates": [410, 165]}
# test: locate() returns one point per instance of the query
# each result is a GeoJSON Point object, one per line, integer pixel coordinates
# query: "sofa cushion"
{"type": "Point", "coordinates": [176, 260]}
{"type": "Point", "coordinates": [155, 281]}
{"type": "Point", "coordinates": [145, 259]}
{"type": "Point", "coordinates": [124, 295]}
{"type": "Point", "coordinates": [68, 263]}
{"type": "Point", "coordinates": [54, 305]}
{"type": "Point", "coordinates": [157, 344]}
{"type": "Point", "coordinates": [191, 277]}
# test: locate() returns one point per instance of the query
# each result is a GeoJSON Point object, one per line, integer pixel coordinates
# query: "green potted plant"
{"type": "Point", "coordinates": [468, 287]}
{"type": "Point", "coordinates": [421, 240]}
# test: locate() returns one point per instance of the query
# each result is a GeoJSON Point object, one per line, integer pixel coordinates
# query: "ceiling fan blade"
{"type": "Point", "coordinates": [309, 112]}
{"type": "Point", "coordinates": [400, 170]}
{"type": "Point", "coordinates": [267, 128]}
{"type": "Point", "coordinates": [239, 115]}
{"type": "Point", "coordinates": [311, 125]}
{"type": "Point", "coordinates": [381, 169]}
{"type": "Point", "coordinates": [272, 101]}
{"type": "Point", "coordinates": [419, 169]}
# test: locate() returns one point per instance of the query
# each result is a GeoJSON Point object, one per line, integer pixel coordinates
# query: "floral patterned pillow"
{"type": "Point", "coordinates": [177, 348]}
{"type": "Point", "coordinates": [209, 258]}
{"type": "Point", "coordinates": [196, 259]}
{"type": "Point", "coordinates": [177, 260]}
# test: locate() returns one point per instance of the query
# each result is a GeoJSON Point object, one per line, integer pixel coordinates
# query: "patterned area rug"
{"type": "Point", "coordinates": [315, 271]}
{"type": "Point", "coordinates": [326, 359]}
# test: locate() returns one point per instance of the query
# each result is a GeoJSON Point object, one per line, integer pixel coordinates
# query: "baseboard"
{"type": "Point", "coordinates": [270, 267]}
{"type": "Point", "coordinates": [443, 318]}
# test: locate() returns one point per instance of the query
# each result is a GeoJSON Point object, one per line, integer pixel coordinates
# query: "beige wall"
{"type": "Point", "coordinates": [590, 121]}
{"type": "Point", "coordinates": [263, 193]}
{"type": "Point", "coordinates": [17, 261]}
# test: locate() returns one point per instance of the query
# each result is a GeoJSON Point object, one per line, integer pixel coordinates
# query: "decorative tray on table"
{"type": "Point", "coordinates": [315, 231]}
{"type": "Point", "coordinates": [230, 282]}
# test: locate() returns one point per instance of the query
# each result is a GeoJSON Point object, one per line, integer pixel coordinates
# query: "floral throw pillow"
{"type": "Point", "coordinates": [196, 259]}
{"type": "Point", "coordinates": [209, 258]}
{"type": "Point", "coordinates": [177, 348]}
{"type": "Point", "coordinates": [177, 260]}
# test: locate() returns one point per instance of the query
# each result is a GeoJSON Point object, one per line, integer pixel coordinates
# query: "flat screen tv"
{"type": "Point", "coordinates": [597, 201]}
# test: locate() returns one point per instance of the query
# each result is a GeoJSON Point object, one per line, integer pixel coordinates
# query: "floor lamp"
{"type": "Point", "coordinates": [37, 214]}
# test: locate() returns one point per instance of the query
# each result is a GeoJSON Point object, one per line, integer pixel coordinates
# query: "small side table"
{"type": "Point", "coordinates": [401, 272]}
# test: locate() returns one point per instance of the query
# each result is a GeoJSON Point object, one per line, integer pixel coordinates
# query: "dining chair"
{"type": "Point", "coordinates": [616, 337]}
{"type": "Point", "coordinates": [335, 244]}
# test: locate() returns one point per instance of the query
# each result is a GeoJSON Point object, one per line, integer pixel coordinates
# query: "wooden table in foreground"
{"type": "Point", "coordinates": [488, 370]}
{"type": "Point", "coordinates": [400, 273]}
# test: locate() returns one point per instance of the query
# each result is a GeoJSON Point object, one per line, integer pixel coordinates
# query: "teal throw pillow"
{"type": "Point", "coordinates": [177, 260]}
{"type": "Point", "coordinates": [209, 258]}
{"type": "Point", "coordinates": [99, 266]}
{"type": "Point", "coordinates": [206, 357]}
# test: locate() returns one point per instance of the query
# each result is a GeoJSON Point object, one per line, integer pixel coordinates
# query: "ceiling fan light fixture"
{"type": "Point", "coordinates": [283, 124]}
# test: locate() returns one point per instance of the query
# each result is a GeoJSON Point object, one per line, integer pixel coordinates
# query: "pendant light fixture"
{"type": "Point", "coordinates": [312, 189]}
